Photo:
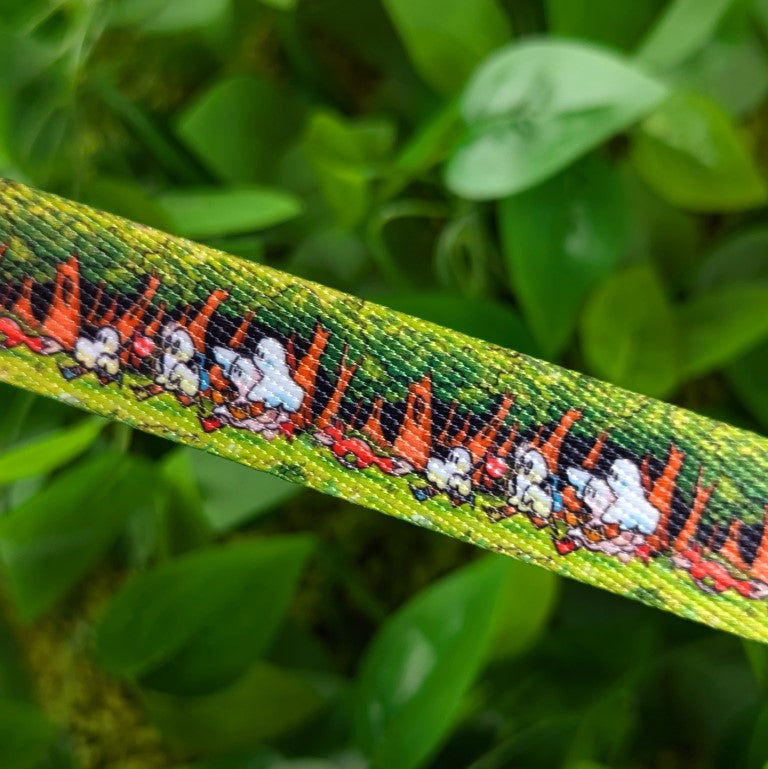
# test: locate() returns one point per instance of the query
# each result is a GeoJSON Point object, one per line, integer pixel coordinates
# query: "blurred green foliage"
{"type": "Point", "coordinates": [581, 180]}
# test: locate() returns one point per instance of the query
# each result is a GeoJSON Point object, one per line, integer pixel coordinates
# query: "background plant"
{"type": "Point", "coordinates": [583, 181]}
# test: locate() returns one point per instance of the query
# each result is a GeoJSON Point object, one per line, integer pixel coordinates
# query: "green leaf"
{"type": "Point", "coordinates": [204, 616]}
{"type": "Point", "coordinates": [689, 152]}
{"type": "Point", "coordinates": [204, 213]}
{"type": "Point", "coordinates": [463, 253]}
{"type": "Point", "coordinates": [534, 107]}
{"type": "Point", "coordinates": [50, 541]}
{"type": "Point", "coordinates": [757, 657]}
{"type": "Point", "coordinates": [684, 27]}
{"type": "Point", "coordinates": [757, 748]}
{"type": "Point", "coordinates": [233, 494]}
{"type": "Point", "coordinates": [264, 704]}
{"type": "Point", "coordinates": [617, 25]}
{"type": "Point", "coordinates": [628, 333]}
{"type": "Point", "coordinates": [163, 153]}
{"type": "Point", "coordinates": [241, 126]}
{"type": "Point", "coordinates": [668, 237]}
{"type": "Point", "coordinates": [483, 318]}
{"type": "Point", "coordinates": [338, 159]}
{"type": "Point", "coordinates": [179, 523]}
{"type": "Point", "coordinates": [167, 16]}
{"type": "Point", "coordinates": [740, 258]}
{"type": "Point", "coordinates": [529, 598]}
{"type": "Point", "coordinates": [445, 53]}
{"type": "Point", "coordinates": [25, 735]}
{"type": "Point", "coordinates": [17, 406]}
{"type": "Point", "coordinates": [267, 758]}
{"type": "Point", "coordinates": [375, 137]}
{"type": "Point", "coordinates": [281, 5]}
{"type": "Point", "coordinates": [6, 156]}
{"type": "Point", "coordinates": [732, 68]}
{"type": "Point", "coordinates": [559, 240]}
{"type": "Point", "coordinates": [422, 661]}
{"type": "Point", "coordinates": [431, 142]}
{"type": "Point", "coordinates": [332, 256]}
{"type": "Point", "coordinates": [748, 376]}
{"type": "Point", "coordinates": [41, 455]}
{"type": "Point", "coordinates": [15, 683]}
{"type": "Point", "coordinates": [720, 325]}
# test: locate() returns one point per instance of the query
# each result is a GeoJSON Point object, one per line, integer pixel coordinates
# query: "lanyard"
{"type": "Point", "coordinates": [393, 413]}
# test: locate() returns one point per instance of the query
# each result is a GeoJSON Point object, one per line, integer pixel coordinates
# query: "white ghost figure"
{"type": "Point", "coordinates": [595, 492]}
{"type": "Point", "coordinates": [631, 510]}
{"type": "Point", "coordinates": [527, 488]}
{"type": "Point", "coordinates": [263, 379]}
{"type": "Point", "coordinates": [100, 353]}
{"type": "Point", "coordinates": [240, 370]}
{"type": "Point", "coordinates": [599, 498]}
{"type": "Point", "coordinates": [276, 389]}
{"type": "Point", "coordinates": [176, 370]}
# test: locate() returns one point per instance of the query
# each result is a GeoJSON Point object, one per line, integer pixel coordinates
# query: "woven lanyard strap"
{"type": "Point", "coordinates": [393, 413]}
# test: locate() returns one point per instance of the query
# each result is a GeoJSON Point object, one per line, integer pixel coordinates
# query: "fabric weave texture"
{"type": "Point", "coordinates": [396, 414]}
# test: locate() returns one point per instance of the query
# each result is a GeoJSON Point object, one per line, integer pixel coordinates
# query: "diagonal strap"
{"type": "Point", "coordinates": [483, 444]}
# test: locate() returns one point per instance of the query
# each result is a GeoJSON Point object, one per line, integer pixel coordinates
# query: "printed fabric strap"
{"type": "Point", "coordinates": [484, 444]}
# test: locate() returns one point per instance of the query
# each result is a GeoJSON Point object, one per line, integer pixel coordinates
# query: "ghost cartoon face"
{"type": "Point", "coordinates": [460, 485]}
{"type": "Point", "coordinates": [277, 389]}
{"type": "Point", "coordinates": [240, 370]}
{"type": "Point", "coordinates": [436, 473]}
{"type": "Point", "coordinates": [631, 509]}
{"type": "Point", "coordinates": [598, 497]}
{"type": "Point", "coordinates": [264, 378]}
{"type": "Point", "coordinates": [86, 353]}
{"type": "Point", "coordinates": [594, 491]}
{"type": "Point", "coordinates": [624, 477]}
{"type": "Point", "coordinates": [270, 354]}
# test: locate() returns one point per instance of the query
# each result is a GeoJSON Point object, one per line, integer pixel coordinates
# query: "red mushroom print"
{"type": "Point", "coordinates": [143, 346]}
{"type": "Point", "coordinates": [495, 467]}
{"type": "Point", "coordinates": [356, 454]}
{"type": "Point", "coordinates": [15, 336]}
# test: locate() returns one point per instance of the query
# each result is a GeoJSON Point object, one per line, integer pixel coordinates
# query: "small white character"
{"type": "Point", "coordinates": [529, 489]}
{"type": "Point", "coordinates": [451, 475]}
{"type": "Point", "coordinates": [99, 355]}
{"type": "Point", "coordinates": [178, 368]}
